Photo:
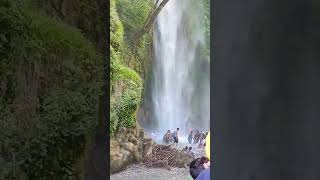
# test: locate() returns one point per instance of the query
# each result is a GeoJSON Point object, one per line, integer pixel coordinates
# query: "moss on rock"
{"type": "Point", "coordinates": [50, 82]}
{"type": "Point", "coordinates": [126, 84]}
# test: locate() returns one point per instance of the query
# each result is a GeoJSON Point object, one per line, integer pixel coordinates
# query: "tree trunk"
{"type": "Point", "coordinates": [150, 20]}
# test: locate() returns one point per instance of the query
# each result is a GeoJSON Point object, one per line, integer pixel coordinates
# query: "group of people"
{"type": "Point", "coordinates": [200, 167]}
{"type": "Point", "coordinates": [188, 150]}
{"type": "Point", "coordinates": [169, 137]}
{"type": "Point", "coordinates": [196, 137]}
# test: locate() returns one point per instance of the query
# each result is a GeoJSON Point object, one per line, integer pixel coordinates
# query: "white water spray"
{"type": "Point", "coordinates": [178, 33]}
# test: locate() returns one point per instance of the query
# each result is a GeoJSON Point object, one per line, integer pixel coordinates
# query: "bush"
{"type": "Point", "coordinates": [126, 84]}
{"type": "Point", "coordinates": [116, 28]}
{"type": "Point", "coordinates": [126, 87]}
{"type": "Point", "coordinates": [51, 79]}
{"type": "Point", "coordinates": [133, 15]}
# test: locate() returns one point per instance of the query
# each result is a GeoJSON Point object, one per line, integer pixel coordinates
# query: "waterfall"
{"type": "Point", "coordinates": [180, 86]}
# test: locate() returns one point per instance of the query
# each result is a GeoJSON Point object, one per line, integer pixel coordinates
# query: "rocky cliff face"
{"type": "Point", "coordinates": [128, 146]}
{"type": "Point", "coordinates": [50, 83]}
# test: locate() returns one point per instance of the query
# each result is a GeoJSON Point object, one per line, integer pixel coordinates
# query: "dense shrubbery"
{"type": "Point", "coordinates": [50, 82]}
{"type": "Point", "coordinates": [129, 62]}
{"type": "Point", "coordinates": [132, 15]}
{"type": "Point", "coordinates": [126, 84]}
{"type": "Point", "coordinates": [82, 14]}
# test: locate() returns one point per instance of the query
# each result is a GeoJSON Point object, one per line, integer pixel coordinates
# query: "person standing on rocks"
{"type": "Point", "coordinates": [185, 149]}
{"type": "Point", "coordinates": [190, 153]}
{"type": "Point", "coordinates": [167, 137]}
{"type": "Point", "coordinates": [202, 141]}
{"type": "Point", "coordinates": [196, 137]}
{"type": "Point", "coordinates": [190, 137]}
{"type": "Point", "coordinates": [175, 137]}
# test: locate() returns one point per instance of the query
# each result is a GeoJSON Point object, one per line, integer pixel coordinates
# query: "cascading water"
{"type": "Point", "coordinates": [180, 88]}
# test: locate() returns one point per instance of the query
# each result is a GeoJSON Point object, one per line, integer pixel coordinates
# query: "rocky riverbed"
{"type": "Point", "coordinates": [139, 171]}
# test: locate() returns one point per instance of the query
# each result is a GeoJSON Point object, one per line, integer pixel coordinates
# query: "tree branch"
{"type": "Point", "coordinates": [150, 20]}
{"type": "Point", "coordinates": [56, 9]}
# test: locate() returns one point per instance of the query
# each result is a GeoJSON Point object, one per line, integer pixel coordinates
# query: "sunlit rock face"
{"type": "Point", "coordinates": [127, 147]}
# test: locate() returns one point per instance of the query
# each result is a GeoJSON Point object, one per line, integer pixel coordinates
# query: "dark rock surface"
{"type": "Point", "coordinates": [266, 84]}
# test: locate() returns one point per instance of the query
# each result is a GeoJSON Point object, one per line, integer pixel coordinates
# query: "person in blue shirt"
{"type": "Point", "coordinates": [199, 165]}
{"type": "Point", "coordinates": [204, 175]}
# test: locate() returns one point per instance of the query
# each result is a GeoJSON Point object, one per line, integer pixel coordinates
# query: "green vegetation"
{"type": "Point", "coordinates": [127, 61]}
{"type": "Point", "coordinates": [130, 61]}
{"type": "Point", "coordinates": [206, 21]}
{"type": "Point", "coordinates": [133, 15]}
{"type": "Point", "coordinates": [50, 83]}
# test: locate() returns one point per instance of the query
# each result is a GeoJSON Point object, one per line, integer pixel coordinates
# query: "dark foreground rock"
{"type": "Point", "coordinates": [266, 96]}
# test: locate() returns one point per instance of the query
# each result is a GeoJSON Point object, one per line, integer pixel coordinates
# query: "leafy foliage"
{"type": "Point", "coordinates": [206, 21]}
{"type": "Point", "coordinates": [51, 78]}
{"type": "Point", "coordinates": [116, 28]}
{"type": "Point", "coordinates": [126, 84]}
{"type": "Point", "coordinates": [82, 14]}
{"type": "Point", "coordinates": [123, 110]}
{"type": "Point", "coordinates": [132, 15]}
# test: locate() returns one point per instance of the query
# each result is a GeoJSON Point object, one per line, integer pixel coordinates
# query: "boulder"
{"type": "Point", "coordinates": [182, 159]}
{"type": "Point", "coordinates": [127, 147]}
{"type": "Point", "coordinates": [119, 157]}
{"type": "Point", "coordinates": [148, 145]}
{"type": "Point", "coordinates": [133, 140]}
